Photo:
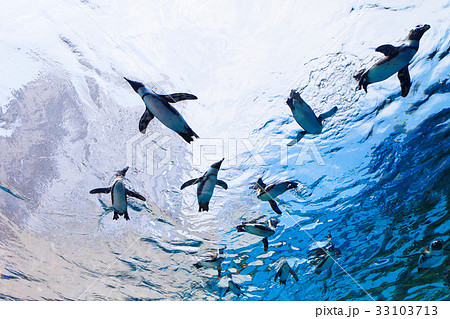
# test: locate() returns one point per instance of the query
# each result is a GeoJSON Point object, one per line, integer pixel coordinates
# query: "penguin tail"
{"type": "Point", "coordinates": [240, 228]}
{"type": "Point", "coordinates": [292, 185]}
{"type": "Point", "coordinates": [358, 76]}
{"type": "Point", "coordinates": [189, 136]}
{"type": "Point", "coordinates": [203, 207]}
{"type": "Point", "coordinates": [361, 77]}
{"type": "Point", "coordinates": [197, 265]}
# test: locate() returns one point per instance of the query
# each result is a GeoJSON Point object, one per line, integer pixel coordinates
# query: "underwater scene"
{"type": "Point", "coordinates": [225, 150]}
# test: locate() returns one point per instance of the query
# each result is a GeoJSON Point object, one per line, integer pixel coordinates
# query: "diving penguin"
{"type": "Point", "coordinates": [283, 273]}
{"type": "Point", "coordinates": [430, 256]}
{"type": "Point", "coordinates": [212, 260]}
{"type": "Point", "coordinates": [325, 256]}
{"type": "Point", "coordinates": [305, 117]}
{"type": "Point", "coordinates": [119, 194]}
{"type": "Point", "coordinates": [326, 260]}
{"type": "Point", "coordinates": [159, 105]}
{"type": "Point", "coordinates": [268, 193]}
{"type": "Point", "coordinates": [396, 59]}
{"type": "Point", "coordinates": [206, 184]}
{"type": "Point", "coordinates": [261, 229]}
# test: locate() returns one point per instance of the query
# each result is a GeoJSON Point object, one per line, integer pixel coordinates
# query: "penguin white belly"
{"type": "Point", "coordinates": [120, 198]}
{"type": "Point", "coordinates": [166, 116]}
{"type": "Point", "coordinates": [430, 261]}
{"type": "Point", "coordinates": [251, 229]}
{"type": "Point", "coordinates": [284, 273]}
{"type": "Point", "coordinates": [277, 190]}
{"type": "Point", "coordinates": [235, 289]}
{"type": "Point", "coordinates": [207, 189]}
{"type": "Point", "coordinates": [326, 264]}
{"type": "Point", "coordinates": [306, 118]}
{"type": "Point", "coordinates": [212, 264]}
{"type": "Point", "coordinates": [381, 72]}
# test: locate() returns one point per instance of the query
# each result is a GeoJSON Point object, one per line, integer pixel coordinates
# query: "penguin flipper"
{"type": "Point", "coordinates": [222, 184]}
{"type": "Point", "coordinates": [327, 114]}
{"type": "Point", "coordinates": [297, 138]}
{"type": "Point", "coordinates": [105, 190]}
{"type": "Point", "coordinates": [226, 291]}
{"type": "Point", "coordinates": [274, 206]}
{"type": "Point", "coordinates": [265, 243]}
{"type": "Point", "coordinates": [190, 182]}
{"type": "Point", "coordinates": [277, 274]}
{"type": "Point", "coordinates": [145, 119]}
{"type": "Point", "coordinates": [387, 50]}
{"type": "Point", "coordinates": [292, 272]}
{"type": "Point", "coordinates": [405, 80]}
{"type": "Point", "coordinates": [177, 97]}
{"type": "Point", "coordinates": [134, 194]}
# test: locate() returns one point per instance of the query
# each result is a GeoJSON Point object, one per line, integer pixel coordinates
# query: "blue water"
{"type": "Point", "coordinates": [376, 179]}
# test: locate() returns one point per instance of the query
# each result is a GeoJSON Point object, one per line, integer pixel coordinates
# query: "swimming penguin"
{"type": "Point", "coordinates": [325, 256]}
{"type": "Point", "coordinates": [206, 184]}
{"type": "Point", "coordinates": [261, 229]}
{"type": "Point", "coordinates": [159, 105]}
{"type": "Point", "coordinates": [268, 193]}
{"type": "Point", "coordinates": [283, 273]}
{"type": "Point", "coordinates": [233, 287]}
{"type": "Point", "coordinates": [396, 59]}
{"type": "Point", "coordinates": [119, 194]}
{"type": "Point", "coordinates": [305, 117]}
{"type": "Point", "coordinates": [430, 256]}
{"type": "Point", "coordinates": [212, 260]}
{"type": "Point", "coordinates": [327, 259]}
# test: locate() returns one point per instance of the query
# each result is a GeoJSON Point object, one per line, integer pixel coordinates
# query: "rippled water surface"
{"type": "Point", "coordinates": [376, 179]}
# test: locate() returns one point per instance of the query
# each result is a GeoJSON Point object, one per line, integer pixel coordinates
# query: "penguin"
{"type": "Point", "coordinates": [395, 60]}
{"type": "Point", "coordinates": [261, 229]}
{"type": "Point", "coordinates": [268, 193]}
{"type": "Point", "coordinates": [159, 106]}
{"type": "Point", "coordinates": [325, 256]}
{"type": "Point", "coordinates": [213, 260]}
{"type": "Point", "coordinates": [206, 184]}
{"type": "Point", "coordinates": [430, 256]}
{"type": "Point", "coordinates": [233, 287]}
{"type": "Point", "coordinates": [119, 194]}
{"type": "Point", "coordinates": [305, 117]}
{"type": "Point", "coordinates": [283, 273]}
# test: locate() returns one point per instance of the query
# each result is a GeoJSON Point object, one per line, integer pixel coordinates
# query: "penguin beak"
{"type": "Point", "coordinates": [135, 85]}
{"type": "Point", "coordinates": [217, 165]}
{"type": "Point", "coordinates": [123, 172]}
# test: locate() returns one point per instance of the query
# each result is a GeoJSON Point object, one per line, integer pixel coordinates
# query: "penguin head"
{"type": "Point", "coordinates": [273, 222]}
{"type": "Point", "coordinates": [135, 85]}
{"type": "Point", "coordinates": [217, 165]}
{"type": "Point", "coordinates": [122, 172]}
{"type": "Point", "coordinates": [417, 33]}
{"type": "Point", "coordinates": [437, 244]}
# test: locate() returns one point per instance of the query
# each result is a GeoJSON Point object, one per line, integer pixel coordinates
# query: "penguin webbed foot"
{"type": "Point", "coordinates": [116, 216]}
{"type": "Point", "coordinates": [126, 216]}
{"type": "Point", "coordinates": [265, 243]}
